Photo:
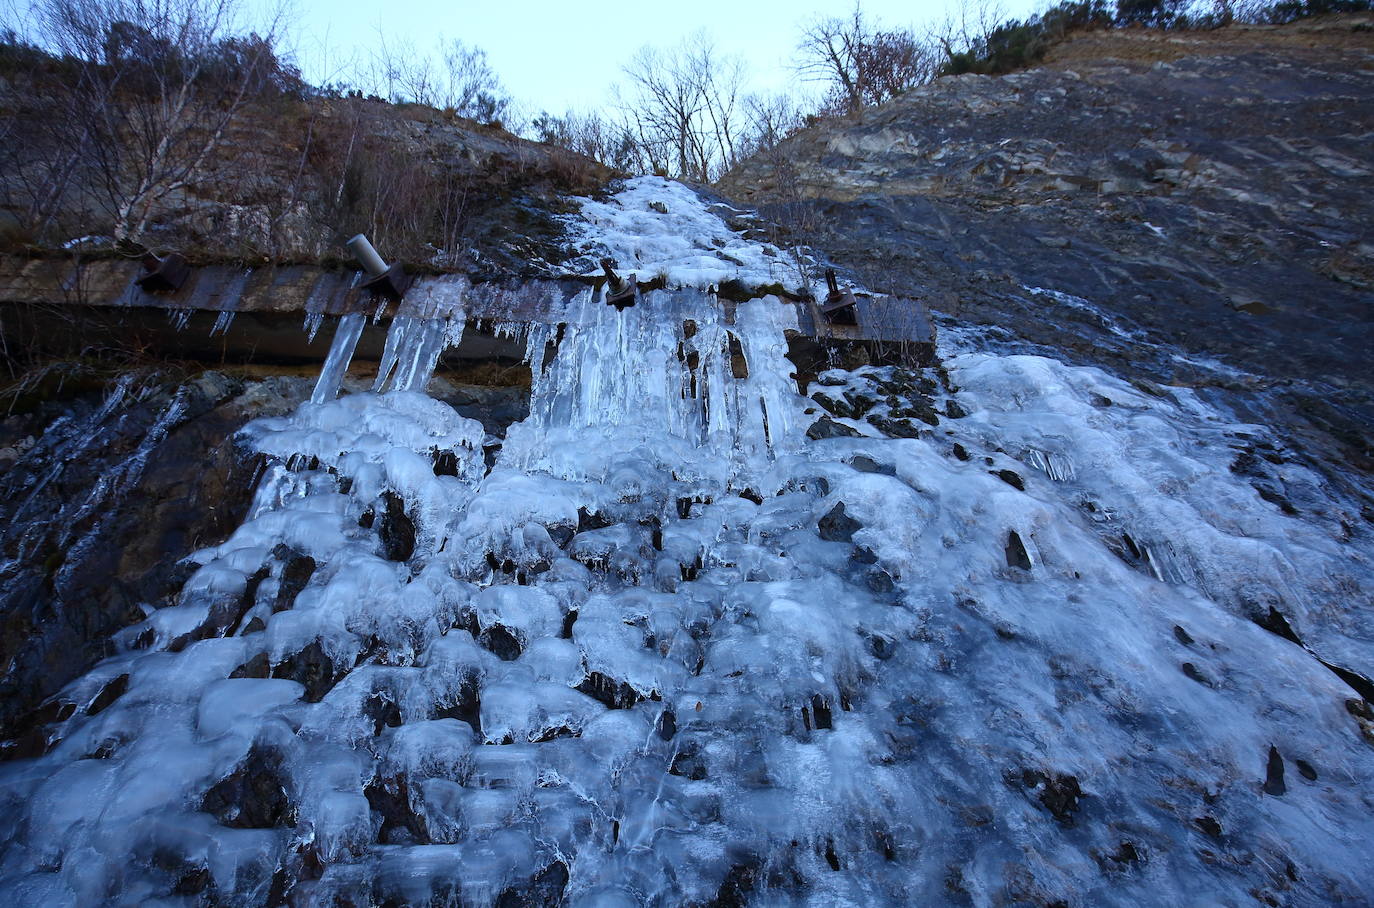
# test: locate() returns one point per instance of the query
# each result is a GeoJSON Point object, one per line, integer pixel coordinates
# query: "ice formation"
{"type": "Point", "coordinates": [656, 227]}
{"type": "Point", "coordinates": [663, 648]}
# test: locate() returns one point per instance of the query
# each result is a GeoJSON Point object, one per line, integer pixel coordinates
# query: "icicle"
{"type": "Point", "coordinates": [627, 375]}
{"type": "Point", "coordinates": [426, 341]}
{"type": "Point", "coordinates": [313, 321]}
{"type": "Point", "coordinates": [179, 318]}
{"type": "Point", "coordinates": [315, 306]}
{"type": "Point", "coordinates": [413, 346]}
{"type": "Point", "coordinates": [395, 338]}
{"type": "Point", "coordinates": [536, 348]}
{"type": "Point", "coordinates": [346, 336]}
{"type": "Point", "coordinates": [516, 331]}
{"type": "Point", "coordinates": [454, 326]}
{"type": "Point", "coordinates": [222, 322]}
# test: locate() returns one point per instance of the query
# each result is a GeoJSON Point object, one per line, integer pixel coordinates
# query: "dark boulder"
{"type": "Point", "coordinates": [396, 529]}
{"type": "Point", "coordinates": [837, 526]}
{"type": "Point", "coordinates": [254, 795]}
{"type": "Point", "coordinates": [1017, 556]}
{"type": "Point", "coordinates": [1011, 478]}
{"type": "Point", "coordinates": [825, 427]}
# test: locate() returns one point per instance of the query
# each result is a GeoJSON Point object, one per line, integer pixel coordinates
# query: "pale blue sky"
{"type": "Point", "coordinates": [559, 55]}
{"type": "Point", "coordinates": [556, 55]}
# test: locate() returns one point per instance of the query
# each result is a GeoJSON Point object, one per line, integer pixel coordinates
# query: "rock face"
{"type": "Point", "coordinates": [1204, 191]}
{"type": "Point", "coordinates": [103, 493]}
{"type": "Point", "coordinates": [649, 628]}
{"type": "Point", "coordinates": [99, 506]}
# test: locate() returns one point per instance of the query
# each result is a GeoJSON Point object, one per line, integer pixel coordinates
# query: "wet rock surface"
{"type": "Point", "coordinates": [99, 509]}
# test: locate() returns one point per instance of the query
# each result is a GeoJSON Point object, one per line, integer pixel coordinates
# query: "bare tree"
{"type": "Point", "coordinates": [770, 119]}
{"type": "Point", "coordinates": [155, 87]}
{"type": "Point", "coordinates": [588, 134]}
{"type": "Point", "coordinates": [472, 87]}
{"type": "Point", "coordinates": [397, 71]}
{"type": "Point", "coordinates": [683, 111]}
{"type": "Point", "coordinates": [461, 81]}
{"type": "Point", "coordinates": [861, 64]}
{"type": "Point", "coordinates": [893, 62]}
{"type": "Point", "coordinates": [719, 80]}
{"type": "Point", "coordinates": [664, 111]}
{"type": "Point", "coordinates": [39, 153]}
{"type": "Point", "coordinates": [968, 23]}
{"type": "Point", "coordinates": [830, 51]}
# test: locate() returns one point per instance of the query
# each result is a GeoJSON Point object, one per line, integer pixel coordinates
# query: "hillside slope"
{"type": "Point", "coordinates": [292, 177]}
{"type": "Point", "coordinates": [1192, 208]}
{"type": "Point", "coordinates": [636, 618]}
{"type": "Point", "coordinates": [997, 631]}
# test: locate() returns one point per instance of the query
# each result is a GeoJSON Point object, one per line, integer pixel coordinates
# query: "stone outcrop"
{"type": "Point", "coordinates": [1204, 191]}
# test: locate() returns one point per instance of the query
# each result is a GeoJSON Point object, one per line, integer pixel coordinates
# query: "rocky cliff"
{"type": "Point", "coordinates": [1204, 191]}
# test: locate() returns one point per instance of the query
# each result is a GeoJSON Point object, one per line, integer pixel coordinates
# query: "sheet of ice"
{"type": "Point", "coordinates": [48, 489]}
{"type": "Point", "coordinates": [1110, 322]}
{"type": "Point", "coordinates": [1159, 471]}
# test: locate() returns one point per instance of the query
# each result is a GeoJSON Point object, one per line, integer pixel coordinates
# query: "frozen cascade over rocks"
{"type": "Point", "coordinates": [1009, 632]}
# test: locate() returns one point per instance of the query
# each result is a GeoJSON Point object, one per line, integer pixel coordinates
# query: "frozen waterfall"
{"type": "Point", "coordinates": [663, 648]}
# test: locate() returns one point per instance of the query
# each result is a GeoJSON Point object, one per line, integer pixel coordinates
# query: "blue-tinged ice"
{"type": "Point", "coordinates": [664, 649]}
{"type": "Point", "coordinates": [346, 335]}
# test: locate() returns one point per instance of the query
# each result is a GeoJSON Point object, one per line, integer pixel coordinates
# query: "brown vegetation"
{"type": "Point", "coordinates": [123, 133]}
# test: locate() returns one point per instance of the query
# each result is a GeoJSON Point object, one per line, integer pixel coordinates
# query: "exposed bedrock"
{"type": "Point", "coordinates": [1202, 193]}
